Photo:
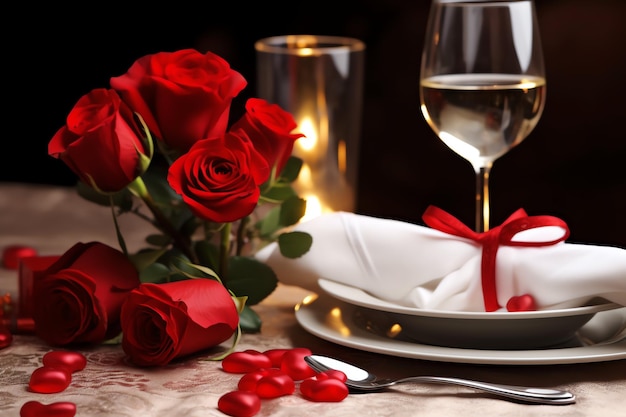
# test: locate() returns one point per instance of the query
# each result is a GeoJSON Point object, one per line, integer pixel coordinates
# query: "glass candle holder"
{"type": "Point", "coordinates": [319, 80]}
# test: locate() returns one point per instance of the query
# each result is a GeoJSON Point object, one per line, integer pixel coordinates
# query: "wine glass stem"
{"type": "Point", "coordinates": [482, 198]}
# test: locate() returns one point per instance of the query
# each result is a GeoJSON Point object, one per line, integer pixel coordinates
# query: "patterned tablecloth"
{"type": "Point", "coordinates": [49, 219]}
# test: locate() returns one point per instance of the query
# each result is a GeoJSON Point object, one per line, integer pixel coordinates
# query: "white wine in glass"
{"type": "Point", "coordinates": [482, 81]}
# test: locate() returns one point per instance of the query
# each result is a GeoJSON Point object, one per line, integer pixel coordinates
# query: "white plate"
{"type": "Point", "coordinates": [466, 329]}
{"type": "Point", "coordinates": [333, 320]}
{"type": "Point", "coordinates": [357, 296]}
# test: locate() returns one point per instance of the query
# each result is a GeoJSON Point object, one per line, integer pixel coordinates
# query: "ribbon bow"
{"type": "Point", "coordinates": [491, 240]}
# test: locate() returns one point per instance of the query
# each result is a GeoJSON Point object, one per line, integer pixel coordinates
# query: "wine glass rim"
{"type": "Point", "coordinates": [493, 2]}
{"type": "Point", "coordinates": [308, 44]}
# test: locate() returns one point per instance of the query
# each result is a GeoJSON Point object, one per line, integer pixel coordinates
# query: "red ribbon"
{"type": "Point", "coordinates": [491, 240]}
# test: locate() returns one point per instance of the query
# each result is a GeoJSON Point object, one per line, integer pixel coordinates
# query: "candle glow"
{"type": "Point", "coordinates": [308, 142]}
{"type": "Point", "coordinates": [309, 149]}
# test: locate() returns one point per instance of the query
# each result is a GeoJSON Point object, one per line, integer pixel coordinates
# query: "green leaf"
{"type": "Point", "coordinates": [156, 273]}
{"type": "Point", "coordinates": [145, 258]}
{"type": "Point", "coordinates": [251, 278]}
{"type": "Point", "coordinates": [158, 240]}
{"type": "Point", "coordinates": [190, 270]}
{"type": "Point", "coordinates": [249, 321]}
{"type": "Point", "coordinates": [122, 199]}
{"type": "Point", "coordinates": [291, 170]}
{"type": "Point", "coordinates": [208, 253]}
{"type": "Point", "coordinates": [270, 224]}
{"type": "Point", "coordinates": [190, 225]}
{"type": "Point", "coordinates": [205, 272]}
{"type": "Point", "coordinates": [279, 192]}
{"type": "Point", "coordinates": [240, 303]}
{"type": "Point", "coordinates": [173, 256]}
{"type": "Point", "coordinates": [168, 201]}
{"type": "Point", "coordinates": [277, 218]}
{"type": "Point", "coordinates": [294, 244]}
{"type": "Point", "coordinates": [155, 179]}
{"type": "Point", "coordinates": [291, 211]}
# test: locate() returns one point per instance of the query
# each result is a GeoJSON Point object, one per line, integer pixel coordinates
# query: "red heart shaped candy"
{"type": "Point", "coordinates": [37, 409]}
{"type": "Point", "coordinates": [323, 388]}
{"type": "Point", "coordinates": [275, 384]}
{"type": "Point", "coordinates": [245, 361]}
{"type": "Point", "coordinates": [267, 383]}
{"type": "Point", "coordinates": [524, 302]}
{"type": "Point", "coordinates": [239, 403]}
{"type": "Point", "coordinates": [332, 373]}
{"type": "Point", "coordinates": [48, 379]}
{"type": "Point", "coordinates": [74, 361]}
{"type": "Point", "coordinates": [249, 381]}
{"type": "Point", "coordinates": [294, 365]}
{"type": "Point", "coordinates": [276, 356]}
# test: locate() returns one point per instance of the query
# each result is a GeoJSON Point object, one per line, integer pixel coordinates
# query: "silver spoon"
{"type": "Point", "coordinates": [362, 380]}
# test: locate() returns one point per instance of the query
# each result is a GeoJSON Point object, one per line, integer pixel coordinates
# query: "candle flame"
{"type": "Point", "coordinates": [309, 149]}
{"type": "Point", "coordinates": [309, 141]}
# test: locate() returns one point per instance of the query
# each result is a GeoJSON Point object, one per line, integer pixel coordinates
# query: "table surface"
{"type": "Point", "coordinates": [51, 219]}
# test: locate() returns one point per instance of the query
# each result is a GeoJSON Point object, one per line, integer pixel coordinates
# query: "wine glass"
{"type": "Point", "coordinates": [482, 81]}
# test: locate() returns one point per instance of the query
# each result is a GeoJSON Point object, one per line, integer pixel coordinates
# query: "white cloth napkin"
{"type": "Point", "coordinates": [417, 266]}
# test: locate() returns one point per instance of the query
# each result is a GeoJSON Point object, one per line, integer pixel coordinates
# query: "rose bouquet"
{"type": "Point", "coordinates": [159, 144]}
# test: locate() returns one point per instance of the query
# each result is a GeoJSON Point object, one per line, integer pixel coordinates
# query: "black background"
{"type": "Point", "coordinates": [573, 165]}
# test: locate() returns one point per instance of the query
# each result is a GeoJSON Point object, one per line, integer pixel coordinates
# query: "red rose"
{"type": "Point", "coordinates": [101, 141]}
{"type": "Point", "coordinates": [161, 322]}
{"type": "Point", "coordinates": [219, 178]}
{"type": "Point", "coordinates": [269, 128]}
{"type": "Point", "coordinates": [79, 297]}
{"type": "Point", "coordinates": [183, 96]}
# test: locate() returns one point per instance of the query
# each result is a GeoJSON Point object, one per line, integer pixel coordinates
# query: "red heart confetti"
{"type": "Point", "coordinates": [73, 361]}
{"type": "Point", "coordinates": [58, 409]}
{"type": "Point", "coordinates": [323, 388]}
{"type": "Point", "coordinates": [524, 302]}
{"type": "Point", "coordinates": [239, 403]}
{"type": "Point", "coordinates": [12, 255]}
{"type": "Point", "coordinates": [48, 379]}
{"type": "Point", "coordinates": [294, 365]}
{"type": "Point", "coordinates": [245, 361]}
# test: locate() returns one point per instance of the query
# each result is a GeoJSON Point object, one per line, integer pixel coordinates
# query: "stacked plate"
{"type": "Point", "coordinates": [351, 317]}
